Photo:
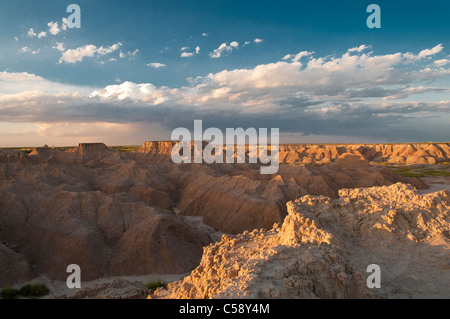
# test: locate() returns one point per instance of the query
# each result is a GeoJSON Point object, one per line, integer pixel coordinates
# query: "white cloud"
{"type": "Point", "coordinates": [102, 51]}
{"type": "Point", "coordinates": [359, 49]}
{"type": "Point", "coordinates": [31, 33]}
{"type": "Point", "coordinates": [298, 56]}
{"type": "Point", "coordinates": [53, 27]}
{"type": "Point", "coordinates": [64, 24]}
{"type": "Point", "coordinates": [156, 65]}
{"type": "Point", "coordinates": [205, 34]}
{"type": "Point", "coordinates": [42, 34]}
{"type": "Point", "coordinates": [130, 54]}
{"type": "Point", "coordinates": [428, 52]}
{"type": "Point", "coordinates": [28, 50]}
{"type": "Point", "coordinates": [189, 54]}
{"type": "Point", "coordinates": [59, 46]}
{"type": "Point", "coordinates": [77, 55]}
{"type": "Point", "coordinates": [257, 40]}
{"type": "Point", "coordinates": [133, 53]}
{"type": "Point", "coordinates": [441, 62]}
{"type": "Point", "coordinates": [128, 90]}
{"type": "Point", "coordinates": [186, 54]}
{"type": "Point", "coordinates": [20, 83]}
{"type": "Point", "coordinates": [223, 48]}
{"type": "Point", "coordinates": [361, 91]}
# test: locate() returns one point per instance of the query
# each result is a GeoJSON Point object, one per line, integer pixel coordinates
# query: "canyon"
{"type": "Point", "coordinates": [135, 213]}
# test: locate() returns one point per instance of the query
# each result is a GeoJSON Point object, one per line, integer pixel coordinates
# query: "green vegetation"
{"type": "Point", "coordinates": [9, 293]}
{"type": "Point", "coordinates": [27, 291]}
{"type": "Point", "coordinates": [128, 148]}
{"type": "Point", "coordinates": [35, 290]}
{"type": "Point", "coordinates": [418, 171]}
{"type": "Point", "coordinates": [154, 284]}
{"type": "Point", "coordinates": [408, 174]}
{"type": "Point", "coordinates": [433, 172]}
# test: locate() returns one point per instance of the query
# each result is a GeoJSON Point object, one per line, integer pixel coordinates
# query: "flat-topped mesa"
{"type": "Point", "coordinates": [92, 146]}
{"type": "Point", "coordinates": [91, 151]}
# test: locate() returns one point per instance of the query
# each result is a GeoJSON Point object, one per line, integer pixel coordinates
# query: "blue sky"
{"type": "Point", "coordinates": [135, 70]}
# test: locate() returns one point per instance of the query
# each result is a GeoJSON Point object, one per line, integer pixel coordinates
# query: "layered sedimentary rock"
{"type": "Point", "coordinates": [233, 200]}
{"type": "Point", "coordinates": [123, 213]}
{"type": "Point", "coordinates": [14, 266]}
{"type": "Point", "coordinates": [324, 247]}
{"type": "Point", "coordinates": [426, 153]}
{"type": "Point", "coordinates": [105, 235]}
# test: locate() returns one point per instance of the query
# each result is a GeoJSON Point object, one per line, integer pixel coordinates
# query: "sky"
{"type": "Point", "coordinates": [136, 70]}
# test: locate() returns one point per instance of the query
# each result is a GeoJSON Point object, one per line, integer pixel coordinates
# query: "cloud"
{"type": "Point", "coordinates": [77, 55]}
{"type": "Point", "coordinates": [359, 49]}
{"type": "Point", "coordinates": [53, 28]}
{"type": "Point", "coordinates": [130, 54]}
{"type": "Point", "coordinates": [31, 33]}
{"type": "Point", "coordinates": [298, 56]}
{"type": "Point", "coordinates": [28, 50]}
{"type": "Point", "coordinates": [257, 40]}
{"type": "Point", "coordinates": [64, 24]}
{"type": "Point", "coordinates": [359, 94]}
{"type": "Point", "coordinates": [426, 53]}
{"type": "Point", "coordinates": [189, 54]}
{"type": "Point", "coordinates": [429, 52]}
{"type": "Point", "coordinates": [205, 34]}
{"type": "Point", "coordinates": [21, 83]}
{"type": "Point", "coordinates": [186, 54]}
{"type": "Point", "coordinates": [441, 62]}
{"type": "Point", "coordinates": [59, 46]}
{"type": "Point", "coordinates": [223, 49]}
{"type": "Point", "coordinates": [156, 65]}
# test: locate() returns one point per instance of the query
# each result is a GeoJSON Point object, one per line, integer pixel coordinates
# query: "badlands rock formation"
{"type": "Point", "coordinates": [324, 247]}
{"type": "Point", "coordinates": [129, 213]}
{"type": "Point", "coordinates": [426, 153]}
